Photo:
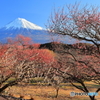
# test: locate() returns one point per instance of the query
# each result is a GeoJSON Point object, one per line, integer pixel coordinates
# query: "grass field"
{"type": "Point", "coordinates": [48, 92]}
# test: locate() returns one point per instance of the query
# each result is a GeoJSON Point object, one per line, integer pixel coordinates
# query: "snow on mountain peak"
{"type": "Point", "coordinates": [22, 23]}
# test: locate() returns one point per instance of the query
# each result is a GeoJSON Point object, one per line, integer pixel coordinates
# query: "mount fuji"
{"type": "Point", "coordinates": [26, 28]}
{"type": "Point", "coordinates": [22, 23]}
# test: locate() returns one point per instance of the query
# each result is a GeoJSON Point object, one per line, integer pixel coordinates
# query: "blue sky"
{"type": "Point", "coordinates": [36, 11]}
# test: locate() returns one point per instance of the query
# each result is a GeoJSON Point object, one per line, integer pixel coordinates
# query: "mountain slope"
{"type": "Point", "coordinates": [23, 27]}
{"type": "Point", "coordinates": [26, 28]}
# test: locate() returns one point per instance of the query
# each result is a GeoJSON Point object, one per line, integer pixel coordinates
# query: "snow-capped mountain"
{"type": "Point", "coordinates": [22, 23]}
{"type": "Point", "coordinates": [26, 28]}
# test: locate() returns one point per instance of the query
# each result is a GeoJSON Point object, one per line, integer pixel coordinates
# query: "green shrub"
{"type": "Point", "coordinates": [10, 80]}
{"type": "Point", "coordinates": [36, 80]}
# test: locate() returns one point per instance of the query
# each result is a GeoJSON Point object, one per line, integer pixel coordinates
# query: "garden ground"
{"type": "Point", "coordinates": [40, 92]}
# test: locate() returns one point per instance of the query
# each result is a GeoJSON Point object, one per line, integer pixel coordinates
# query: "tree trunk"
{"type": "Point", "coordinates": [92, 97]}
{"type": "Point", "coordinates": [98, 48]}
{"type": "Point", "coordinates": [57, 90]}
{"type": "Point", "coordinates": [7, 85]}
